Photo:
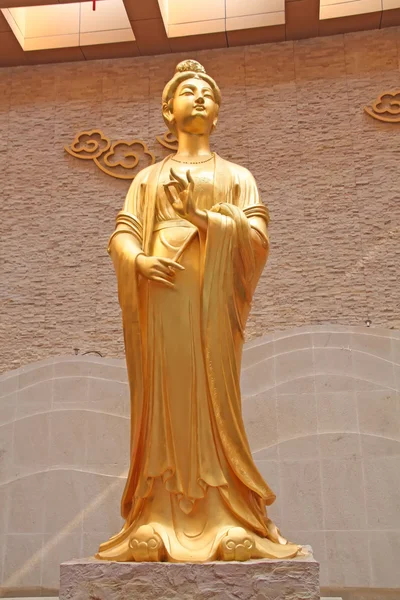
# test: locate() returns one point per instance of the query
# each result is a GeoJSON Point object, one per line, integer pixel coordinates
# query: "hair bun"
{"type": "Point", "coordinates": [189, 65]}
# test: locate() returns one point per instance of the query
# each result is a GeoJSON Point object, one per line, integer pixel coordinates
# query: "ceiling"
{"type": "Point", "coordinates": [70, 30]}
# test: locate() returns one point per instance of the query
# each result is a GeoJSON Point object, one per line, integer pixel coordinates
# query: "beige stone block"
{"type": "Point", "coordinates": [371, 368]}
{"type": "Point", "coordinates": [382, 492]}
{"type": "Point", "coordinates": [108, 439]}
{"type": "Point", "coordinates": [57, 548]}
{"type": "Point", "coordinates": [257, 353]}
{"type": "Point", "coordinates": [259, 416]}
{"type": "Point", "coordinates": [70, 389]}
{"type": "Point", "coordinates": [300, 447]}
{"type": "Point", "coordinates": [31, 441]}
{"type": "Point", "coordinates": [330, 383]}
{"type": "Point", "coordinates": [268, 453]}
{"type": "Point", "coordinates": [343, 494]}
{"type": "Point", "coordinates": [258, 378]}
{"type": "Point", "coordinates": [102, 497]}
{"type": "Point", "coordinates": [72, 366]}
{"type": "Point", "coordinates": [297, 416]}
{"type": "Point", "coordinates": [2, 555]}
{"type": "Point", "coordinates": [109, 395]}
{"type": "Point", "coordinates": [64, 501]}
{"type": "Point", "coordinates": [296, 341]}
{"type": "Point", "coordinates": [336, 361]}
{"type": "Point", "coordinates": [302, 385]}
{"type": "Point", "coordinates": [331, 339]}
{"type": "Point", "coordinates": [343, 445]}
{"type": "Point", "coordinates": [395, 350]}
{"type": "Point", "coordinates": [6, 449]}
{"type": "Point", "coordinates": [373, 445]}
{"type": "Point", "coordinates": [35, 398]}
{"type": "Point", "coordinates": [8, 384]}
{"type": "Point", "coordinates": [396, 369]}
{"type": "Point", "coordinates": [91, 543]}
{"type": "Point", "coordinates": [384, 549]}
{"type": "Point", "coordinates": [361, 385]}
{"type": "Point", "coordinates": [379, 413]}
{"type": "Point", "coordinates": [23, 560]}
{"type": "Point", "coordinates": [26, 504]}
{"type": "Point", "coordinates": [116, 371]}
{"type": "Point", "coordinates": [33, 373]}
{"type": "Point", "coordinates": [68, 437]}
{"type": "Point", "coordinates": [8, 408]}
{"type": "Point", "coordinates": [4, 489]}
{"type": "Point", "coordinates": [301, 498]}
{"type": "Point", "coordinates": [348, 561]}
{"type": "Point", "coordinates": [337, 412]}
{"type": "Point", "coordinates": [371, 343]}
{"type": "Point", "coordinates": [294, 365]}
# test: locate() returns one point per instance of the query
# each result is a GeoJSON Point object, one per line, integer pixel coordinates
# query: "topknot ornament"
{"type": "Point", "coordinates": [190, 65]}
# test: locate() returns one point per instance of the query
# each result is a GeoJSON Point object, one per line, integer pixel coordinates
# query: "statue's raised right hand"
{"type": "Point", "coordinates": [162, 270]}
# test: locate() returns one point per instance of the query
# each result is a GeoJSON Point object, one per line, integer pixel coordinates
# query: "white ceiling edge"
{"type": "Point", "coordinates": [183, 18]}
{"type": "Point", "coordinates": [69, 25]}
{"type": "Point", "coordinates": [334, 9]}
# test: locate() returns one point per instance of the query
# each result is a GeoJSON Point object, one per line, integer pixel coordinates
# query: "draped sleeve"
{"type": "Point", "coordinates": [233, 261]}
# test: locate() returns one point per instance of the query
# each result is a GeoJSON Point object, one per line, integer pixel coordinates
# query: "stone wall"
{"type": "Point", "coordinates": [321, 408]}
{"type": "Point", "coordinates": [292, 113]}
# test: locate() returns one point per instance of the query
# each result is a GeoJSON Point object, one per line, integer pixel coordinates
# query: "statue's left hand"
{"type": "Point", "coordinates": [180, 195]}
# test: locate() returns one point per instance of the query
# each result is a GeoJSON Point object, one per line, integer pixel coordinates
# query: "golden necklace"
{"type": "Point", "coordinates": [192, 162]}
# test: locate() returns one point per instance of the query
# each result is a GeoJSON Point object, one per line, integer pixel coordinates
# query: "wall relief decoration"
{"type": "Point", "coordinates": [386, 107]}
{"type": "Point", "coordinates": [122, 159]}
{"type": "Point", "coordinates": [168, 140]}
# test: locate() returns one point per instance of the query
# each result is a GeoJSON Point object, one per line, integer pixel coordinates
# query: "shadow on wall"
{"type": "Point", "coordinates": [321, 406]}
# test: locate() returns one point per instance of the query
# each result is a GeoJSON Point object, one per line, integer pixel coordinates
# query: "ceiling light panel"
{"type": "Point", "coordinates": [68, 25]}
{"type": "Point", "coordinates": [333, 9]}
{"type": "Point", "coordinates": [390, 4]}
{"type": "Point", "coordinates": [184, 17]}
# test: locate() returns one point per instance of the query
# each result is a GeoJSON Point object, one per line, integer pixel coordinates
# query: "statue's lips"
{"type": "Point", "coordinates": [200, 108]}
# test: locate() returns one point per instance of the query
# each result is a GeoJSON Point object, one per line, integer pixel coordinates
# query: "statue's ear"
{"type": "Point", "coordinates": [167, 112]}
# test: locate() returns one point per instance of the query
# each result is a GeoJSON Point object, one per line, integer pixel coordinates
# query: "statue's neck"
{"type": "Point", "coordinates": [193, 146]}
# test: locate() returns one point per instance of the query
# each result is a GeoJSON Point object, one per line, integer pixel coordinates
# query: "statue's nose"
{"type": "Point", "coordinates": [200, 99]}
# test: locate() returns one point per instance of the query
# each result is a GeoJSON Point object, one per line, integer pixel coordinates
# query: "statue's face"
{"type": "Point", "coordinates": [194, 107]}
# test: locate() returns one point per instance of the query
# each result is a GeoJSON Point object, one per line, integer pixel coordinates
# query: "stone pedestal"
{"type": "Point", "coordinates": [91, 579]}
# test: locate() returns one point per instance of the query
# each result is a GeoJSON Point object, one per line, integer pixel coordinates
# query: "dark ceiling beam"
{"type": "Point", "coordinates": [362, 22]}
{"type": "Point", "coordinates": [256, 35]}
{"type": "Point", "coordinates": [302, 19]}
{"type": "Point", "coordinates": [391, 18]}
{"type": "Point", "coordinates": [148, 26]}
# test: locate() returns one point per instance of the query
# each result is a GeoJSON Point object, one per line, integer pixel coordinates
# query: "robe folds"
{"type": "Point", "coordinates": [192, 477]}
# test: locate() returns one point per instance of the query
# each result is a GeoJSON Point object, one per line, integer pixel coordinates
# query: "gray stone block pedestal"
{"type": "Point", "coordinates": [91, 579]}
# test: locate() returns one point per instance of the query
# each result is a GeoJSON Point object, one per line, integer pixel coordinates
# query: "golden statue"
{"type": "Point", "coordinates": [188, 249]}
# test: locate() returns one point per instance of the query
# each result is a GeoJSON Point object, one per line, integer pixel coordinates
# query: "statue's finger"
{"type": "Point", "coordinates": [164, 281]}
{"type": "Point", "coordinates": [175, 185]}
{"type": "Point", "coordinates": [171, 263]}
{"type": "Point", "coordinates": [189, 177]}
{"type": "Point", "coordinates": [169, 194]}
{"type": "Point", "coordinates": [162, 271]}
{"type": "Point", "coordinates": [182, 182]}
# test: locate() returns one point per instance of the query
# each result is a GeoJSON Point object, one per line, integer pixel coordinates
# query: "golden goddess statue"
{"type": "Point", "coordinates": [188, 250]}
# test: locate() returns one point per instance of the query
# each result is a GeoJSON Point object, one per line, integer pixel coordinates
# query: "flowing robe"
{"type": "Point", "coordinates": [192, 476]}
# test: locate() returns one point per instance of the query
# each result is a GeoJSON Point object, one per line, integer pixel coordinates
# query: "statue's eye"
{"type": "Point", "coordinates": [187, 92]}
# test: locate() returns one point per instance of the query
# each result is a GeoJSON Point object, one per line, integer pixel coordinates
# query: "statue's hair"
{"type": "Point", "coordinates": [188, 69]}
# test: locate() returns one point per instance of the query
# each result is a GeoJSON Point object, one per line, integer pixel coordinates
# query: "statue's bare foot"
{"type": "Point", "coordinates": [237, 544]}
{"type": "Point", "coordinates": [146, 545]}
